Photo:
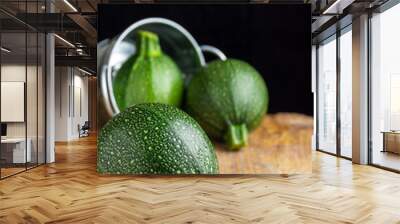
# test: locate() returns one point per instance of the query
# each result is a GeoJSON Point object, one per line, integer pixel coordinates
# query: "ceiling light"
{"type": "Point", "coordinates": [70, 5]}
{"type": "Point", "coordinates": [337, 7]}
{"type": "Point", "coordinates": [5, 50]}
{"type": "Point", "coordinates": [84, 71]}
{"type": "Point", "coordinates": [65, 41]}
{"type": "Point", "coordinates": [79, 51]}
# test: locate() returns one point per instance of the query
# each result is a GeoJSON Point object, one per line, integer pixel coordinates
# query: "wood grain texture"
{"type": "Point", "coordinates": [280, 145]}
{"type": "Point", "coordinates": [70, 191]}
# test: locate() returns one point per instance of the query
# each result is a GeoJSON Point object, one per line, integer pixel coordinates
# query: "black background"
{"type": "Point", "coordinates": [275, 39]}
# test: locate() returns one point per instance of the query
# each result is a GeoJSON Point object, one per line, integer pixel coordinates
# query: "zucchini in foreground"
{"type": "Point", "coordinates": [228, 98]}
{"type": "Point", "coordinates": [154, 139]}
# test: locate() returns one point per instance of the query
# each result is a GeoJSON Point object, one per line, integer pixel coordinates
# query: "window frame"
{"type": "Point", "coordinates": [334, 37]}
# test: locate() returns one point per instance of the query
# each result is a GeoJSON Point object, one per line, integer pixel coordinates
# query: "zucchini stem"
{"type": "Point", "coordinates": [236, 136]}
{"type": "Point", "coordinates": [148, 43]}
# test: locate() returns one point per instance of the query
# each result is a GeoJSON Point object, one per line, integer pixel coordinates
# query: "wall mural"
{"type": "Point", "coordinates": [185, 89]}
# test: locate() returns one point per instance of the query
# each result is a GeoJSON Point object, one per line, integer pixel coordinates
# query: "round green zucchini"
{"type": "Point", "coordinates": [150, 76]}
{"type": "Point", "coordinates": [228, 98]}
{"type": "Point", "coordinates": [154, 139]}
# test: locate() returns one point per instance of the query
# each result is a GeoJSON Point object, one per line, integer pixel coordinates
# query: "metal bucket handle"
{"type": "Point", "coordinates": [213, 50]}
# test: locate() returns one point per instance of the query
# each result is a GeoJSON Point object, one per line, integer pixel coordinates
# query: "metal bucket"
{"type": "Point", "coordinates": [175, 41]}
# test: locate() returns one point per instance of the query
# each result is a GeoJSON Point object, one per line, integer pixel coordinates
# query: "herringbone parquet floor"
{"type": "Point", "coordinates": [70, 191]}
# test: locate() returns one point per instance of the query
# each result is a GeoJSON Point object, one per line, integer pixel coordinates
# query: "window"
{"type": "Point", "coordinates": [346, 93]}
{"type": "Point", "coordinates": [327, 96]}
{"type": "Point", "coordinates": [385, 89]}
{"type": "Point", "coordinates": [334, 106]}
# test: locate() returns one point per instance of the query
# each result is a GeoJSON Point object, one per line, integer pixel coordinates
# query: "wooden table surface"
{"type": "Point", "coordinates": [280, 145]}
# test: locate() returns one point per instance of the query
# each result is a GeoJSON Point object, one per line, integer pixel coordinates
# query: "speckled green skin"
{"type": "Point", "coordinates": [154, 139]}
{"type": "Point", "coordinates": [148, 77]}
{"type": "Point", "coordinates": [225, 94]}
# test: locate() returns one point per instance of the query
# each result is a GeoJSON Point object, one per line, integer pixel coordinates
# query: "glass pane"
{"type": "Point", "coordinates": [32, 98]}
{"type": "Point", "coordinates": [327, 96]}
{"type": "Point", "coordinates": [385, 104]}
{"type": "Point", "coordinates": [346, 94]}
{"type": "Point", "coordinates": [41, 98]}
{"type": "Point", "coordinates": [31, 86]}
{"type": "Point", "coordinates": [13, 88]}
